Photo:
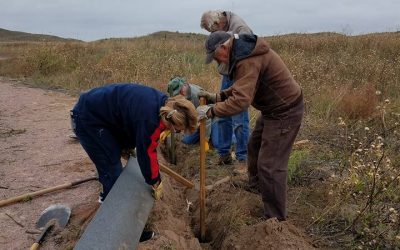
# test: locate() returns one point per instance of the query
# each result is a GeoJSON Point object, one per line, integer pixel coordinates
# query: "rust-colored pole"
{"type": "Point", "coordinates": [202, 175]}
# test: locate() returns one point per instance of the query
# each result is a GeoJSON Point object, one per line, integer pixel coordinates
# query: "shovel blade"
{"type": "Point", "coordinates": [60, 213]}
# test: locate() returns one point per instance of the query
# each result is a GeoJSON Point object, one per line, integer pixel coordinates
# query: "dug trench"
{"type": "Point", "coordinates": [233, 216]}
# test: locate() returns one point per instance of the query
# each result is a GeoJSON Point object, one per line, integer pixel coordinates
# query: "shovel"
{"type": "Point", "coordinates": [55, 215]}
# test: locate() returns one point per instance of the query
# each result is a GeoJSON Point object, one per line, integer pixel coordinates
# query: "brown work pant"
{"type": "Point", "coordinates": [269, 149]}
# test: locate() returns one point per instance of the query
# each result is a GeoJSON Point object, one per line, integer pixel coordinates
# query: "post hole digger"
{"type": "Point", "coordinates": [55, 216]}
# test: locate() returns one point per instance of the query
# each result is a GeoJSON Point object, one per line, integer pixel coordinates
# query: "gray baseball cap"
{"type": "Point", "coordinates": [213, 41]}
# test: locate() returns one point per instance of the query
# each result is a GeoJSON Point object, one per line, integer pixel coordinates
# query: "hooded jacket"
{"type": "Point", "coordinates": [261, 79]}
{"type": "Point", "coordinates": [236, 24]}
{"type": "Point", "coordinates": [131, 113]}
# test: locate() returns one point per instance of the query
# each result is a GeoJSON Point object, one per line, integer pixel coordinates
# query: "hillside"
{"type": "Point", "coordinates": [17, 36]}
{"type": "Point", "coordinates": [159, 35]}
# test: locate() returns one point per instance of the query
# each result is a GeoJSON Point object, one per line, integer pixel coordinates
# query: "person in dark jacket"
{"type": "Point", "coordinates": [114, 117]}
{"type": "Point", "coordinates": [261, 79]}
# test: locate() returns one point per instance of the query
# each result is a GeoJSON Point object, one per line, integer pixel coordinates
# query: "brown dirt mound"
{"type": "Point", "coordinates": [80, 218]}
{"type": "Point", "coordinates": [270, 234]}
{"type": "Point", "coordinates": [233, 216]}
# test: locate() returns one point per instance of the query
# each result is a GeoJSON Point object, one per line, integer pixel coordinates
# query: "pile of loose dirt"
{"type": "Point", "coordinates": [270, 234]}
{"type": "Point", "coordinates": [170, 219]}
{"type": "Point", "coordinates": [233, 216]}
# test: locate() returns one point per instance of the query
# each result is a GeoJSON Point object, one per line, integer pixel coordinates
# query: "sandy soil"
{"type": "Point", "coordinates": [37, 153]}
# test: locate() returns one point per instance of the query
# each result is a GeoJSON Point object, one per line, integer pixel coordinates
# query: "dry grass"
{"type": "Point", "coordinates": [359, 103]}
{"type": "Point", "coordinates": [354, 78]}
{"type": "Point", "coordinates": [324, 64]}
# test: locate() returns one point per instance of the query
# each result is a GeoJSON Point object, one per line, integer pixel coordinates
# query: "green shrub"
{"type": "Point", "coordinates": [297, 158]}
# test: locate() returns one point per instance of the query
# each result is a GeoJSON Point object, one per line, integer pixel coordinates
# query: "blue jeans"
{"type": "Point", "coordinates": [236, 126]}
{"type": "Point", "coordinates": [102, 148]}
{"type": "Point", "coordinates": [195, 137]}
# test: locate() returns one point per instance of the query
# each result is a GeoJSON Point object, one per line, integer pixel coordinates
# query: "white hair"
{"type": "Point", "coordinates": [209, 18]}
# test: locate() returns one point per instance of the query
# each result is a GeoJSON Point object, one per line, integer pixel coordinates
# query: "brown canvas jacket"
{"type": "Point", "coordinates": [262, 80]}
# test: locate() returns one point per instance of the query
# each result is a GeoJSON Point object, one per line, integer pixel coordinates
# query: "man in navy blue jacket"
{"type": "Point", "coordinates": [114, 117]}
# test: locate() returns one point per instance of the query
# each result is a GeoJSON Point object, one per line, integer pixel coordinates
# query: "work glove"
{"type": "Point", "coordinates": [164, 135]}
{"type": "Point", "coordinates": [210, 97]}
{"type": "Point", "coordinates": [157, 190]}
{"type": "Point", "coordinates": [202, 111]}
{"type": "Point", "coordinates": [207, 146]}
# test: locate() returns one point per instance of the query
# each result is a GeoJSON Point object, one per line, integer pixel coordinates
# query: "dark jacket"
{"type": "Point", "coordinates": [131, 113]}
{"type": "Point", "coordinates": [260, 79]}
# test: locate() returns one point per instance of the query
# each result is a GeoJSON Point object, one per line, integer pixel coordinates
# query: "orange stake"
{"type": "Point", "coordinates": [202, 175]}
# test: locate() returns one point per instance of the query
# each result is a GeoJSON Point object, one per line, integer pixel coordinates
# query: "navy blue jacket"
{"type": "Point", "coordinates": [131, 113]}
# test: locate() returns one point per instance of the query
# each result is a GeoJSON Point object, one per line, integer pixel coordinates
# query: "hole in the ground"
{"type": "Point", "coordinates": [207, 238]}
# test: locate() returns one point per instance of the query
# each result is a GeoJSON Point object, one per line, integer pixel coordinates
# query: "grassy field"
{"type": "Point", "coordinates": [352, 94]}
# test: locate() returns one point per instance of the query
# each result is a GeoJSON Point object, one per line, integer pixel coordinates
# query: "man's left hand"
{"type": "Point", "coordinates": [210, 97]}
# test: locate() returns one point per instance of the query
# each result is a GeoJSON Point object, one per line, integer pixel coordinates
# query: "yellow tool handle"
{"type": "Point", "coordinates": [202, 174]}
{"type": "Point", "coordinates": [43, 191]}
{"type": "Point", "coordinates": [176, 176]}
{"type": "Point", "coordinates": [35, 246]}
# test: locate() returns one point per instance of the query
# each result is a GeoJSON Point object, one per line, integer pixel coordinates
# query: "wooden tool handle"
{"type": "Point", "coordinates": [43, 191]}
{"type": "Point", "coordinates": [35, 246]}
{"type": "Point", "coordinates": [202, 174]}
{"type": "Point", "coordinates": [176, 176]}
{"type": "Point", "coordinates": [32, 194]}
{"type": "Point", "coordinates": [40, 239]}
{"type": "Point", "coordinates": [74, 183]}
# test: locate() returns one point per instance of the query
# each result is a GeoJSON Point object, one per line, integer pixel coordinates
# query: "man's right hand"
{"type": "Point", "coordinates": [210, 97]}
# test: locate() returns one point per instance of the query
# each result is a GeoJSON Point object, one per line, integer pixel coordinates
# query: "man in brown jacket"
{"type": "Point", "coordinates": [260, 79]}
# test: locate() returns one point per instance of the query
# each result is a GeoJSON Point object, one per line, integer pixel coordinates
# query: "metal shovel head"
{"type": "Point", "coordinates": [59, 213]}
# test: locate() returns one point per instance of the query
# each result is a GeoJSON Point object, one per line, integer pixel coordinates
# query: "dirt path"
{"type": "Point", "coordinates": [37, 153]}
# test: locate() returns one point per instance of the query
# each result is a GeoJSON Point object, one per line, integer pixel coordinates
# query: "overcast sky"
{"type": "Point", "coordinates": [96, 19]}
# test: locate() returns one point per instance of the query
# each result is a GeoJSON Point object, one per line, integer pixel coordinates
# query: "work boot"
{"type": "Point", "coordinates": [146, 235]}
{"type": "Point", "coordinates": [101, 198]}
{"type": "Point", "coordinates": [240, 168]}
{"type": "Point", "coordinates": [225, 160]}
{"type": "Point", "coordinates": [245, 185]}
{"type": "Point", "coordinates": [73, 136]}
